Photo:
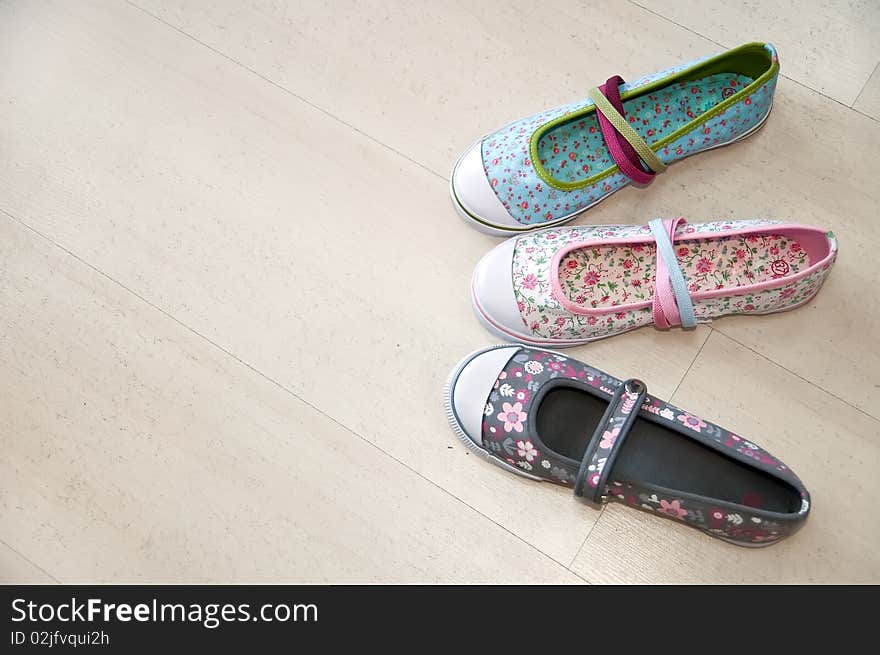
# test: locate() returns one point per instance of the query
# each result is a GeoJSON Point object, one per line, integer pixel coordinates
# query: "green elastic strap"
{"type": "Point", "coordinates": [626, 131]}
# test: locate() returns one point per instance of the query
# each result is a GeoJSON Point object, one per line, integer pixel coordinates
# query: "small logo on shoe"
{"type": "Point", "coordinates": [727, 91]}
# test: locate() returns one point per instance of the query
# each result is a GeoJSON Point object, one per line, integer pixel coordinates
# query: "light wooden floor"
{"type": "Point", "coordinates": [232, 285]}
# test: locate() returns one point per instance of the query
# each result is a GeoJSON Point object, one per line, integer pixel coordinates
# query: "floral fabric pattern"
{"type": "Point", "coordinates": [531, 201]}
{"type": "Point", "coordinates": [546, 318]}
{"type": "Point", "coordinates": [512, 416]}
{"type": "Point", "coordinates": [625, 273]}
{"type": "Point", "coordinates": [601, 454]}
{"type": "Point", "coordinates": [530, 369]}
{"type": "Point", "coordinates": [575, 151]}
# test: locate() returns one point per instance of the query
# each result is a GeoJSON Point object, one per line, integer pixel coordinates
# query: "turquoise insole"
{"type": "Point", "coordinates": [576, 150]}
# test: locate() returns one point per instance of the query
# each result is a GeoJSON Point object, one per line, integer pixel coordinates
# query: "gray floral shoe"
{"type": "Point", "coordinates": [548, 417]}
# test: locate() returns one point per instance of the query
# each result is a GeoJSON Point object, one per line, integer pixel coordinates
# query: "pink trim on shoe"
{"type": "Point", "coordinates": [665, 308]}
{"type": "Point", "coordinates": [788, 229]}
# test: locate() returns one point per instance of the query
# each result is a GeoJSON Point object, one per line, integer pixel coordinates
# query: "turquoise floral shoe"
{"type": "Point", "coordinates": [543, 170]}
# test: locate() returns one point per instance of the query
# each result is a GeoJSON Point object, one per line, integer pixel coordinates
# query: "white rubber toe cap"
{"type": "Point", "coordinates": [472, 387]}
{"type": "Point", "coordinates": [493, 290]}
{"type": "Point", "coordinates": [475, 193]}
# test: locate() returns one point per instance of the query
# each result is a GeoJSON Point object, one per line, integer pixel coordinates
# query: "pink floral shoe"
{"type": "Point", "coordinates": [569, 286]}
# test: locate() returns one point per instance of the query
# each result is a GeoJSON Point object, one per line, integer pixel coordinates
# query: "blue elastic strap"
{"type": "Point", "coordinates": [676, 277]}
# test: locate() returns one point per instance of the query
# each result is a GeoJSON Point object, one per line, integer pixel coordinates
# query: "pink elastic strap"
{"type": "Point", "coordinates": [665, 309]}
{"type": "Point", "coordinates": [623, 154]}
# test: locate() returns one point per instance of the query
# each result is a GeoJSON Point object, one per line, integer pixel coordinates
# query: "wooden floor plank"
{"type": "Point", "coordinates": [831, 446]}
{"type": "Point", "coordinates": [828, 46]}
{"type": "Point", "coordinates": [326, 261]}
{"type": "Point", "coordinates": [133, 450]}
{"type": "Point", "coordinates": [265, 183]}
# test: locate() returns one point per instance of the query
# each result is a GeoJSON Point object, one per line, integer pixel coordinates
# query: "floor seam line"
{"type": "Point", "coordinates": [669, 20]}
{"type": "Point", "coordinates": [602, 511]}
{"type": "Point", "coordinates": [790, 79]}
{"type": "Point", "coordinates": [864, 86]}
{"type": "Point", "coordinates": [586, 539]}
{"type": "Point", "coordinates": [287, 91]}
{"type": "Point", "coordinates": [798, 376]}
{"type": "Point", "coordinates": [691, 365]}
{"type": "Point", "coordinates": [834, 100]}
{"type": "Point", "coordinates": [33, 563]}
{"type": "Point", "coordinates": [277, 384]}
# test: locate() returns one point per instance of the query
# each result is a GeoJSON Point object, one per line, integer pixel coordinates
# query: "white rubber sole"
{"type": "Point", "coordinates": [516, 337]}
{"type": "Point", "coordinates": [740, 543]}
{"type": "Point", "coordinates": [456, 426]}
{"type": "Point", "coordinates": [501, 231]}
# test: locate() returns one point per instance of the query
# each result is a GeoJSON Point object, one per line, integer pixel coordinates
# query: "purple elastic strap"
{"type": "Point", "coordinates": [623, 154]}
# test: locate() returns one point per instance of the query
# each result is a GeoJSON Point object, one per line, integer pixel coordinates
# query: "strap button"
{"type": "Point", "coordinates": [635, 386]}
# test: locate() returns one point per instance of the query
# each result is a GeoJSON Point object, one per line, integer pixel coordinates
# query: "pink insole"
{"type": "Point", "coordinates": [622, 274]}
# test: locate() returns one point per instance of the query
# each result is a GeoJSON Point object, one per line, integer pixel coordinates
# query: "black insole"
{"type": "Point", "coordinates": [654, 454]}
